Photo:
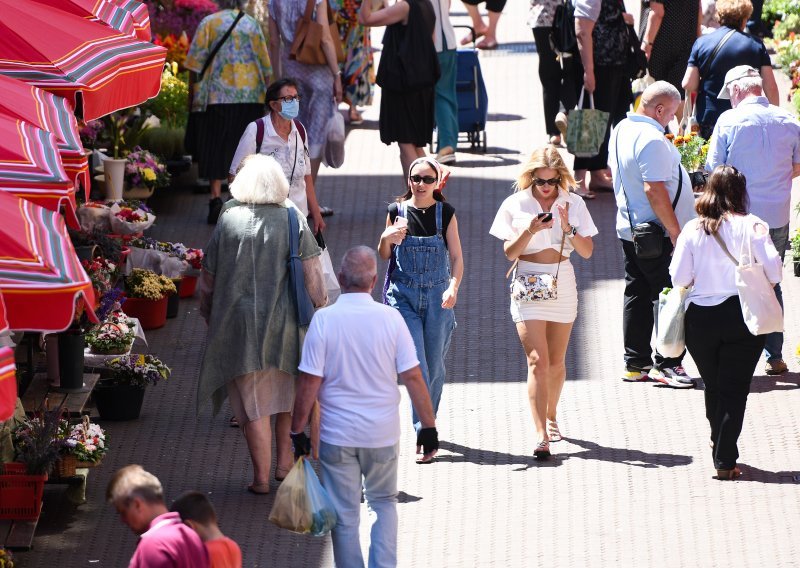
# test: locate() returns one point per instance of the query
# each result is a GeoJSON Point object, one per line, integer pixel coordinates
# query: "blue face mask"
{"type": "Point", "coordinates": [289, 111]}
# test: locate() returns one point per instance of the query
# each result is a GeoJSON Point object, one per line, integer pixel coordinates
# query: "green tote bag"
{"type": "Point", "coordinates": [586, 129]}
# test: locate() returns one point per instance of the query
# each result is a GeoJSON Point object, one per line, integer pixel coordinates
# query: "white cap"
{"type": "Point", "coordinates": [738, 72]}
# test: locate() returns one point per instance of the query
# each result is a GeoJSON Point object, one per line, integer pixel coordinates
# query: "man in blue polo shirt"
{"type": "Point", "coordinates": [762, 141]}
{"type": "Point", "coordinates": [650, 185]}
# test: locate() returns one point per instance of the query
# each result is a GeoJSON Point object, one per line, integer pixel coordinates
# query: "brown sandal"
{"type": "Point", "coordinates": [258, 488]}
{"type": "Point", "coordinates": [729, 474]}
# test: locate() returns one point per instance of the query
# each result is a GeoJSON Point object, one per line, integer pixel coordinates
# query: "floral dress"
{"type": "Point", "coordinates": [358, 70]}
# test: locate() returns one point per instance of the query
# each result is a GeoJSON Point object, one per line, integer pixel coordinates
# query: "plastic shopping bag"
{"type": "Point", "coordinates": [302, 505]}
{"type": "Point", "coordinates": [329, 274]}
{"type": "Point", "coordinates": [671, 339]}
{"type": "Point", "coordinates": [333, 150]}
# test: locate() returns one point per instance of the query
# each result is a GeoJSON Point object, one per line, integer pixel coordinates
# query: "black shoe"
{"type": "Point", "coordinates": [325, 211]}
{"type": "Point", "coordinates": [214, 209]}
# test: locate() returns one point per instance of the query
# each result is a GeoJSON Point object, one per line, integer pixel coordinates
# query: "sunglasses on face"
{"type": "Point", "coordinates": [427, 180]}
{"type": "Point", "coordinates": [552, 181]}
{"type": "Point", "coordinates": [289, 98]}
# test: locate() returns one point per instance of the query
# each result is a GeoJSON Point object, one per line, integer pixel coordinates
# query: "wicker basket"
{"type": "Point", "coordinates": [81, 464]}
{"type": "Point", "coordinates": [65, 466]}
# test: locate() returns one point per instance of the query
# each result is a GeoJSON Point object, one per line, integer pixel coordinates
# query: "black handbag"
{"type": "Point", "coordinates": [635, 58]}
{"type": "Point", "coordinates": [191, 136]}
{"type": "Point", "coordinates": [648, 238]}
{"type": "Point", "coordinates": [562, 35]}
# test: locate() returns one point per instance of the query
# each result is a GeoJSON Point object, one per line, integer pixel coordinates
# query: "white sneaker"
{"type": "Point", "coordinates": [561, 123]}
{"type": "Point", "coordinates": [675, 377]}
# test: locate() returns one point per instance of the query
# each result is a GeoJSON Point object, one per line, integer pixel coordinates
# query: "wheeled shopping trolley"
{"type": "Point", "coordinates": [473, 100]}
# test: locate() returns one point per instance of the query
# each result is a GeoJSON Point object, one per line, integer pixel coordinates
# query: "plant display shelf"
{"type": "Point", "coordinates": [17, 535]}
{"type": "Point", "coordinates": [40, 390]}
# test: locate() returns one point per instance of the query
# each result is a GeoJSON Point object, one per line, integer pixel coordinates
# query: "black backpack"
{"type": "Point", "coordinates": [562, 36]}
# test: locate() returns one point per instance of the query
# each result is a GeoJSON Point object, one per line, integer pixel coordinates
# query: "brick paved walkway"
{"type": "Point", "coordinates": [631, 486]}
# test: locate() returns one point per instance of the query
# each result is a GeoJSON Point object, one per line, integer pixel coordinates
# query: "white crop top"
{"type": "Point", "coordinates": [517, 210]}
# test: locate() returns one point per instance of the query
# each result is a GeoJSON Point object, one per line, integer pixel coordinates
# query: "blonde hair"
{"type": "Point", "coordinates": [133, 481]}
{"type": "Point", "coordinates": [732, 13]}
{"type": "Point", "coordinates": [544, 157]}
{"type": "Point", "coordinates": [260, 180]}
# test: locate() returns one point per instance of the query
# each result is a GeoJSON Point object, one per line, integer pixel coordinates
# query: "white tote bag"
{"type": "Point", "coordinates": [760, 308]}
{"type": "Point", "coordinates": [671, 338]}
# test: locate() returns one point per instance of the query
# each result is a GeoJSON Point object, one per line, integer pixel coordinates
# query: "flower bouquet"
{"type": "Point", "coordinates": [112, 337]}
{"type": "Point", "coordinates": [87, 443]}
{"type": "Point", "coordinates": [103, 274]}
{"type": "Point", "coordinates": [138, 370]}
{"type": "Point", "coordinates": [38, 441]}
{"type": "Point", "coordinates": [94, 216]}
{"type": "Point", "coordinates": [127, 220]}
{"type": "Point", "coordinates": [143, 169]}
{"type": "Point", "coordinates": [693, 150]}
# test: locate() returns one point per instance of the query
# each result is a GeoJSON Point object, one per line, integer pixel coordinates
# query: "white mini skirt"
{"type": "Point", "coordinates": [564, 309]}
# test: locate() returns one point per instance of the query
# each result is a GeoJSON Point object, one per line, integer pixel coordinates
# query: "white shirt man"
{"type": "Point", "coordinates": [353, 353]}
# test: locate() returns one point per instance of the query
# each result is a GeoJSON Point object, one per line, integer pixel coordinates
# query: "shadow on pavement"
{"type": "Point", "coordinates": [770, 383]}
{"type": "Point", "coordinates": [750, 473]}
{"type": "Point", "coordinates": [637, 458]}
{"type": "Point", "coordinates": [479, 456]}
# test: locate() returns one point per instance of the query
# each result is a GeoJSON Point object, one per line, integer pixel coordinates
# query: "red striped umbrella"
{"type": "Point", "coordinates": [97, 69]}
{"type": "Point", "coordinates": [41, 278]}
{"type": "Point", "coordinates": [53, 114]}
{"type": "Point", "coordinates": [8, 373]}
{"type": "Point", "coordinates": [141, 17]}
{"type": "Point", "coordinates": [30, 167]}
{"type": "Point", "coordinates": [103, 11]}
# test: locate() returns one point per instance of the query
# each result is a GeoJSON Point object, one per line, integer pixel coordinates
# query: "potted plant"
{"type": "Point", "coordinates": [114, 336]}
{"type": "Point", "coordinates": [122, 132]}
{"type": "Point", "coordinates": [144, 172]}
{"type": "Point", "coordinates": [86, 442]}
{"type": "Point", "coordinates": [146, 297]}
{"type": "Point", "coordinates": [195, 259]}
{"type": "Point", "coordinates": [795, 245]}
{"type": "Point", "coordinates": [120, 394]}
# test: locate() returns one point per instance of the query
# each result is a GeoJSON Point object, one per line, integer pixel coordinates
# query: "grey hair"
{"type": "Point", "coordinates": [260, 180]}
{"type": "Point", "coordinates": [133, 481]}
{"type": "Point", "coordinates": [359, 267]}
{"type": "Point", "coordinates": [659, 91]}
{"type": "Point", "coordinates": [747, 84]}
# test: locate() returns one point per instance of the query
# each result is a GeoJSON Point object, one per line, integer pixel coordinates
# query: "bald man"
{"type": "Point", "coordinates": [652, 189]}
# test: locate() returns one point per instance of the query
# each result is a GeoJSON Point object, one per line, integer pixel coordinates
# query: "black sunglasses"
{"type": "Point", "coordinates": [552, 181]}
{"type": "Point", "coordinates": [425, 179]}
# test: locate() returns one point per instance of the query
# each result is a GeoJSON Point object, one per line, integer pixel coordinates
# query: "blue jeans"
{"type": "Point", "coordinates": [774, 345]}
{"type": "Point", "coordinates": [445, 103]}
{"type": "Point", "coordinates": [342, 472]}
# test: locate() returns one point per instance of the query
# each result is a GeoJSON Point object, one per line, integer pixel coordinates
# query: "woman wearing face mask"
{"type": "Point", "coordinates": [540, 225]}
{"type": "Point", "coordinates": [285, 139]}
{"type": "Point", "coordinates": [422, 245]}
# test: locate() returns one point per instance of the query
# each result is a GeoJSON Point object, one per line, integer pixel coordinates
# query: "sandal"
{"type": "Point", "coordinates": [469, 38]}
{"type": "Point", "coordinates": [281, 473]}
{"type": "Point", "coordinates": [355, 117]}
{"type": "Point", "coordinates": [233, 422]}
{"type": "Point", "coordinates": [553, 432]}
{"type": "Point", "coordinates": [258, 488]}
{"type": "Point", "coordinates": [585, 193]}
{"type": "Point", "coordinates": [487, 45]}
{"type": "Point", "coordinates": [542, 450]}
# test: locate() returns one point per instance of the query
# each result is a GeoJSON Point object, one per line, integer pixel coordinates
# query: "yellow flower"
{"type": "Point", "coordinates": [174, 67]}
{"type": "Point", "coordinates": [140, 360]}
{"type": "Point", "coordinates": [148, 174]}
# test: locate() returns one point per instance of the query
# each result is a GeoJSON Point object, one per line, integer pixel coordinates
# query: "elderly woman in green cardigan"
{"type": "Point", "coordinates": [254, 340]}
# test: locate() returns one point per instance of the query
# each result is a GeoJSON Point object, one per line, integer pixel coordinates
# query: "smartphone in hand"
{"type": "Point", "coordinates": [545, 217]}
{"type": "Point", "coordinates": [400, 222]}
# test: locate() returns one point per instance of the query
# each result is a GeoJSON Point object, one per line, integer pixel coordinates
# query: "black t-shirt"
{"type": "Point", "coordinates": [422, 222]}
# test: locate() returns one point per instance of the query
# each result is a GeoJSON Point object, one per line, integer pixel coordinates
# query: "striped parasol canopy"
{"type": "Point", "coordinates": [53, 114]}
{"type": "Point", "coordinates": [96, 68]}
{"type": "Point", "coordinates": [30, 167]}
{"type": "Point", "coordinates": [103, 11]}
{"type": "Point", "coordinates": [141, 17]}
{"type": "Point", "coordinates": [41, 279]}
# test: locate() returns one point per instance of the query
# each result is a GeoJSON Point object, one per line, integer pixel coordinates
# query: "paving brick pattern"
{"type": "Point", "coordinates": [632, 484]}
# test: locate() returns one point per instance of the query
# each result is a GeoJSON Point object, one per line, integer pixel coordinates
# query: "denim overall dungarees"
{"type": "Point", "coordinates": [421, 276]}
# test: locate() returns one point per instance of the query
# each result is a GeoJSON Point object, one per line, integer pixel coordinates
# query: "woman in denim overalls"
{"type": "Point", "coordinates": [422, 243]}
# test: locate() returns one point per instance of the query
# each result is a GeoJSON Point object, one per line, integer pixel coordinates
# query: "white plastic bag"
{"type": "Point", "coordinates": [333, 150]}
{"type": "Point", "coordinates": [329, 275]}
{"type": "Point", "coordinates": [671, 338]}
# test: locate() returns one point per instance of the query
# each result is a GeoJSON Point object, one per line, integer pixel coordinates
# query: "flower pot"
{"type": "Point", "coordinates": [87, 252]}
{"type": "Point", "coordinates": [797, 266]}
{"type": "Point", "coordinates": [152, 314]}
{"type": "Point", "coordinates": [188, 286]}
{"type": "Point", "coordinates": [114, 172]}
{"type": "Point", "coordinates": [70, 360]}
{"type": "Point", "coordinates": [137, 192]}
{"type": "Point", "coordinates": [118, 402]}
{"type": "Point", "coordinates": [20, 493]}
{"type": "Point", "coordinates": [173, 300]}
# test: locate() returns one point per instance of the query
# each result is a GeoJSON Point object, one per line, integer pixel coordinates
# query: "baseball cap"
{"type": "Point", "coordinates": [738, 72]}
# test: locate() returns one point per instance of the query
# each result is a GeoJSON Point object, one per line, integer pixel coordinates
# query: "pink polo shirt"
{"type": "Point", "coordinates": [168, 543]}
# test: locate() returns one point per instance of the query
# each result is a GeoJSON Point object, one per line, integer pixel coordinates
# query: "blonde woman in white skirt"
{"type": "Point", "coordinates": [540, 219]}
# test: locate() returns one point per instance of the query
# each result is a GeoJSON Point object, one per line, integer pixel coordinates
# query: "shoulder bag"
{"type": "Point", "coordinates": [535, 287]}
{"type": "Point", "coordinates": [648, 237]}
{"type": "Point", "coordinates": [193, 122]}
{"type": "Point", "coordinates": [307, 45]}
{"type": "Point", "coordinates": [760, 308]}
{"type": "Point", "coordinates": [297, 283]}
{"type": "Point", "coordinates": [562, 34]}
